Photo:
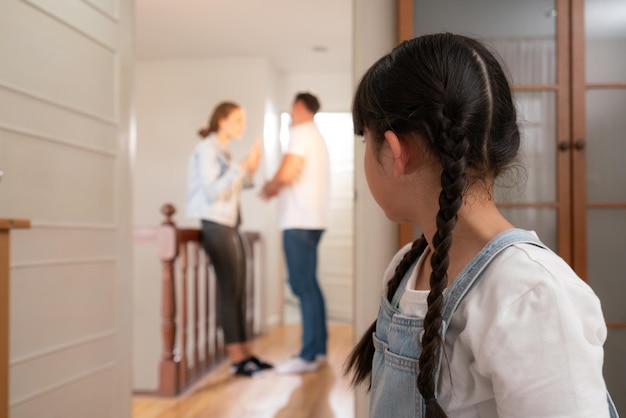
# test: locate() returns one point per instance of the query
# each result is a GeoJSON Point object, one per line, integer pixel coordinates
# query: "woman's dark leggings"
{"type": "Point", "coordinates": [225, 249]}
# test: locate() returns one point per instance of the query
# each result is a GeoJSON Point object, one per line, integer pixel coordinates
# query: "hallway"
{"type": "Point", "coordinates": [323, 394]}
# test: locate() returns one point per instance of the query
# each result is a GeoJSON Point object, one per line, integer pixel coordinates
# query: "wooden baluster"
{"type": "Point", "coordinates": [195, 257]}
{"type": "Point", "coordinates": [167, 249]}
{"type": "Point", "coordinates": [5, 226]}
{"type": "Point", "coordinates": [184, 376]}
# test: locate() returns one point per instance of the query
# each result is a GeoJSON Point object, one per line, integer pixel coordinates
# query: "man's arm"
{"type": "Point", "coordinates": [289, 170]}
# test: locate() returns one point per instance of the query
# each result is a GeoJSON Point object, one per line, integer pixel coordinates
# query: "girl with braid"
{"type": "Point", "coordinates": [479, 318]}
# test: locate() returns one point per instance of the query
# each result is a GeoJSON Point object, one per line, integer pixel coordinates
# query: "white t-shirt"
{"type": "Point", "coordinates": [303, 204]}
{"type": "Point", "coordinates": [526, 341]}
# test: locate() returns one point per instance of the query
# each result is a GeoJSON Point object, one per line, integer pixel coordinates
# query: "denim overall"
{"type": "Point", "coordinates": [397, 338]}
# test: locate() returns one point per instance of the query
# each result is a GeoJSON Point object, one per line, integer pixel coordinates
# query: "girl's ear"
{"type": "Point", "coordinates": [400, 153]}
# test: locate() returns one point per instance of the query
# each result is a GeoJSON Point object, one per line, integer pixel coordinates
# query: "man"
{"type": "Point", "coordinates": [302, 183]}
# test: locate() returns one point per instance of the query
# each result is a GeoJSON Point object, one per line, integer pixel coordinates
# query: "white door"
{"type": "Point", "coordinates": [65, 81]}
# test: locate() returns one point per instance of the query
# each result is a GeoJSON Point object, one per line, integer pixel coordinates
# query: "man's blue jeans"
{"type": "Point", "coordinates": [300, 246]}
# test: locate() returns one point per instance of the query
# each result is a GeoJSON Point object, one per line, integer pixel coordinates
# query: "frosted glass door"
{"type": "Point", "coordinates": [602, 154]}
{"type": "Point", "coordinates": [524, 34]}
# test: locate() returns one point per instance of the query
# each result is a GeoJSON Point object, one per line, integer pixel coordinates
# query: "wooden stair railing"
{"type": "Point", "coordinates": [5, 227]}
{"type": "Point", "coordinates": [192, 348]}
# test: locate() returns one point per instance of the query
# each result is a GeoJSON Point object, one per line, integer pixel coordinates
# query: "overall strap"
{"type": "Point", "coordinates": [612, 409]}
{"type": "Point", "coordinates": [470, 275]}
{"type": "Point", "coordinates": [472, 272]}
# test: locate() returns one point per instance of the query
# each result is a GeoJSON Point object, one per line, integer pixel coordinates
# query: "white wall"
{"type": "Point", "coordinates": [334, 90]}
{"type": "Point", "coordinates": [376, 237]}
{"type": "Point", "coordinates": [174, 100]}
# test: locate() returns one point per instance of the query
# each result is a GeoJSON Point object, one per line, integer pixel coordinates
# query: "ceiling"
{"type": "Point", "coordinates": [316, 36]}
{"type": "Point", "coordinates": [294, 35]}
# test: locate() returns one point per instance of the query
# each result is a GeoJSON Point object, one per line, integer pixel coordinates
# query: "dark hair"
{"type": "Point", "coordinates": [220, 112]}
{"type": "Point", "coordinates": [310, 101]}
{"type": "Point", "coordinates": [450, 92]}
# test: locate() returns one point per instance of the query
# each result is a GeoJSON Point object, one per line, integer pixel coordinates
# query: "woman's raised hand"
{"type": "Point", "coordinates": [251, 161]}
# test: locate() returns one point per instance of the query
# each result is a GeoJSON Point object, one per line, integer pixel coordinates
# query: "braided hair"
{"type": "Point", "coordinates": [450, 92]}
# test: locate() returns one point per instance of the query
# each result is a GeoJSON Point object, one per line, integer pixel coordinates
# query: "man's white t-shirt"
{"type": "Point", "coordinates": [303, 204]}
{"type": "Point", "coordinates": [526, 341]}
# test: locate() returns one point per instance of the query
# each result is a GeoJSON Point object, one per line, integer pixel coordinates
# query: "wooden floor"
{"type": "Point", "coordinates": [322, 394]}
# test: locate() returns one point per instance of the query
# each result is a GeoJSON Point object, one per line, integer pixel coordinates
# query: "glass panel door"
{"type": "Point", "coordinates": [524, 35]}
{"type": "Point", "coordinates": [600, 220]}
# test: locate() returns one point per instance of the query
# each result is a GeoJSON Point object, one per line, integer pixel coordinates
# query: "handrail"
{"type": "Point", "coordinates": [6, 224]}
{"type": "Point", "coordinates": [11, 223]}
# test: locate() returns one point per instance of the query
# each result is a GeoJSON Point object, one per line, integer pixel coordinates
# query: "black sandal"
{"type": "Point", "coordinates": [246, 368]}
{"type": "Point", "coordinates": [262, 365]}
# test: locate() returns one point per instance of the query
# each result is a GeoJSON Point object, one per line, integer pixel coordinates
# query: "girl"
{"type": "Point", "coordinates": [214, 185]}
{"type": "Point", "coordinates": [479, 319]}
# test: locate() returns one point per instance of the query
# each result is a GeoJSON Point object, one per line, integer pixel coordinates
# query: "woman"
{"type": "Point", "coordinates": [213, 195]}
